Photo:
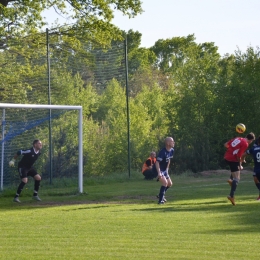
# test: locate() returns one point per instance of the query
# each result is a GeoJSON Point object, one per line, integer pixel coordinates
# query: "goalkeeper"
{"type": "Point", "coordinates": [25, 169]}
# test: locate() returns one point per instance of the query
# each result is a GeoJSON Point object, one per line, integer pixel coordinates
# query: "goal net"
{"type": "Point", "coordinates": [60, 130]}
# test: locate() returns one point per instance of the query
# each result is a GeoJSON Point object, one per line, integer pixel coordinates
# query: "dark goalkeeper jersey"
{"type": "Point", "coordinates": [28, 159]}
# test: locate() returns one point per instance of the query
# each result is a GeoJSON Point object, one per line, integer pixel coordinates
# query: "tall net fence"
{"type": "Point", "coordinates": [40, 67]}
{"type": "Point", "coordinates": [49, 68]}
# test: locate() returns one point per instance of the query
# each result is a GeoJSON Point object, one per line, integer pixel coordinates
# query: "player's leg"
{"type": "Point", "coordinates": [231, 177]}
{"type": "Point", "coordinates": [235, 172]}
{"type": "Point", "coordinates": [169, 184]}
{"type": "Point", "coordinates": [235, 181]}
{"type": "Point", "coordinates": [24, 180]}
{"type": "Point", "coordinates": [37, 179]}
{"type": "Point", "coordinates": [162, 189]}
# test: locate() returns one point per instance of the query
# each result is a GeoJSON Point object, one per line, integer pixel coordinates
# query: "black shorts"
{"type": "Point", "coordinates": [25, 172]}
{"type": "Point", "coordinates": [234, 166]}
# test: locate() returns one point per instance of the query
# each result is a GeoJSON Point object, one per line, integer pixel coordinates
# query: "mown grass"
{"type": "Point", "coordinates": [121, 220]}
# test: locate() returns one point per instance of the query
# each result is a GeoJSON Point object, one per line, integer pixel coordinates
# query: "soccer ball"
{"type": "Point", "coordinates": [240, 128]}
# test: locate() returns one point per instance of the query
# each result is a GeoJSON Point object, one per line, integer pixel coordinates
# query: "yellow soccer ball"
{"type": "Point", "coordinates": [240, 128]}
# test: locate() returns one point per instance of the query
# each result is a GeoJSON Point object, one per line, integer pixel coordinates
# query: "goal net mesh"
{"type": "Point", "coordinates": [58, 163]}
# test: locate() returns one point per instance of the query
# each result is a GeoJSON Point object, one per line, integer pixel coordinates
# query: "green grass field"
{"type": "Point", "coordinates": [121, 220]}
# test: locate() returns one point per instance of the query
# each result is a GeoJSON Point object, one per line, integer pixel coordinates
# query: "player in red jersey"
{"type": "Point", "coordinates": [235, 148]}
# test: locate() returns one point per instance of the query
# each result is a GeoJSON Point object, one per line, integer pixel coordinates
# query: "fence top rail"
{"type": "Point", "coordinates": [37, 106]}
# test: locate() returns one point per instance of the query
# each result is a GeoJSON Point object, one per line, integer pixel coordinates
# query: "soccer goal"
{"type": "Point", "coordinates": [59, 127]}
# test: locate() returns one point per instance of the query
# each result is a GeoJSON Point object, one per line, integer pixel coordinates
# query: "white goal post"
{"type": "Point", "coordinates": [51, 107]}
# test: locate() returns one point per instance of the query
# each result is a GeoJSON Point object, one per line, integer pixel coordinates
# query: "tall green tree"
{"type": "Point", "coordinates": [239, 90]}
{"type": "Point", "coordinates": [111, 118]}
{"type": "Point", "coordinates": [93, 18]}
{"type": "Point", "coordinates": [149, 122]}
{"type": "Point", "coordinates": [22, 70]}
{"type": "Point", "coordinates": [193, 69]}
{"type": "Point", "coordinates": [170, 53]}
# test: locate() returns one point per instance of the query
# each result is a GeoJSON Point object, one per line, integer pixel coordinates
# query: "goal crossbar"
{"type": "Point", "coordinates": [80, 133]}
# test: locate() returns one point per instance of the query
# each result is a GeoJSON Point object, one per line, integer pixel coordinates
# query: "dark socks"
{"type": "Point", "coordinates": [20, 188]}
{"type": "Point", "coordinates": [233, 188]}
{"type": "Point", "coordinates": [36, 187]}
{"type": "Point", "coordinates": [162, 192]}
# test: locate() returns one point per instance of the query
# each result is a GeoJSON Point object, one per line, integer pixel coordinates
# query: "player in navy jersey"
{"type": "Point", "coordinates": [25, 168]}
{"type": "Point", "coordinates": [161, 167]}
{"type": "Point", "coordinates": [255, 153]}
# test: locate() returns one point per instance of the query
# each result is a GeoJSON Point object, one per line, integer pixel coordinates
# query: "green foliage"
{"type": "Point", "coordinates": [171, 53]}
{"type": "Point", "coordinates": [133, 40]}
{"type": "Point", "coordinates": [242, 89]}
{"type": "Point", "coordinates": [18, 74]}
{"type": "Point", "coordinates": [140, 59]}
{"type": "Point", "coordinates": [193, 108]}
{"type": "Point", "coordinates": [19, 18]}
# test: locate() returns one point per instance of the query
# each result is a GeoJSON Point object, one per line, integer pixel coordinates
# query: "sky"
{"type": "Point", "coordinates": [230, 24]}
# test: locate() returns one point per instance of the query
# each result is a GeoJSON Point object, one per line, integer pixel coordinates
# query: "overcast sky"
{"type": "Point", "coordinates": [230, 24]}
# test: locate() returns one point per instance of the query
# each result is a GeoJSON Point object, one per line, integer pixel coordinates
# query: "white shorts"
{"type": "Point", "coordinates": [165, 174]}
